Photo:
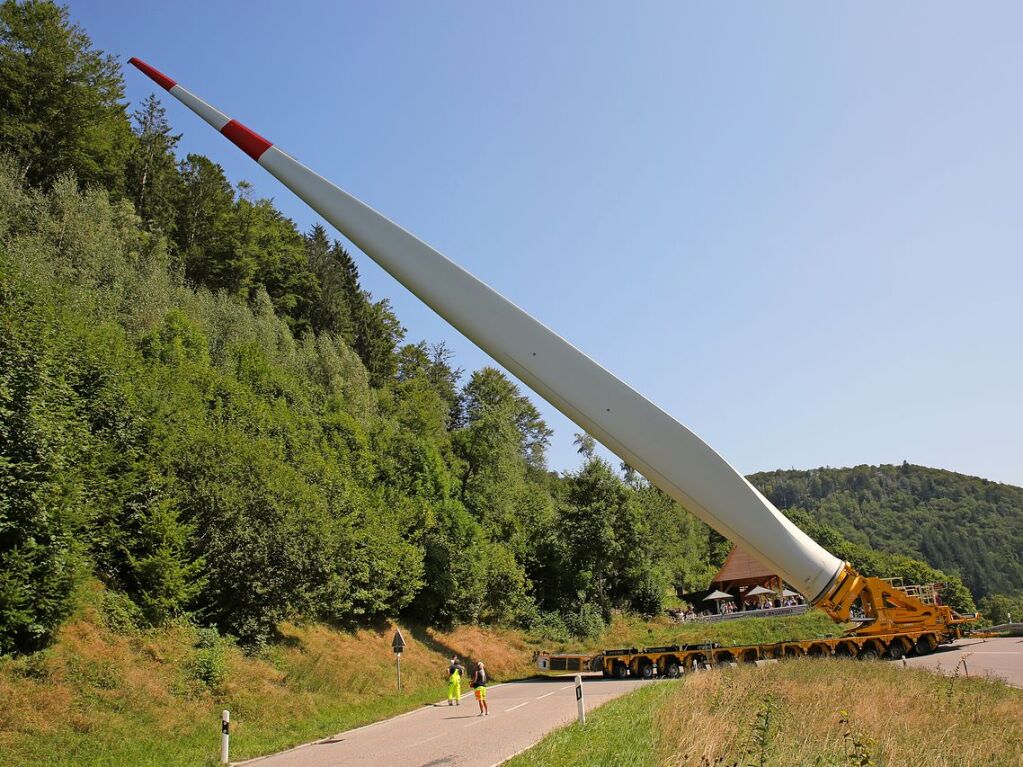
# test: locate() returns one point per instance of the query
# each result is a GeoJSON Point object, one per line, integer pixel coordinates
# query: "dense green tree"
{"type": "Point", "coordinates": [488, 390]}
{"type": "Point", "coordinates": [333, 311]}
{"type": "Point", "coordinates": [152, 180]}
{"type": "Point", "coordinates": [60, 99]}
{"type": "Point", "coordinates": [268, 253]}
{"type": "Point", "coordinates": [1002, 608]}
{"type": "Point", "coordinates": [378, 334]}
{"type": "Point", "coordinates": [204, 222]}
{"type": "Point", "coordinates": [43, 436]}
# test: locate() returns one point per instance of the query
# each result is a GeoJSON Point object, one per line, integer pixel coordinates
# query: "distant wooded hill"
{"type": "Point", "coordinates": [956, 523]}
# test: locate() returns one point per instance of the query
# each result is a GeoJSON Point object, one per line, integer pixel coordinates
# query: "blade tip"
{"type": "Point", "coordinates": [152, 73]}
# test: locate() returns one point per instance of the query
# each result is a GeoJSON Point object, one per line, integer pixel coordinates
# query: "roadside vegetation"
{"type": "Point", "coordinates": [110, 692]}
{"type": "Point", "coordinates": [820, 713]}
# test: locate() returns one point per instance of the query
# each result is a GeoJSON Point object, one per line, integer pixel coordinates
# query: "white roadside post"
{"type": "Point", "coordinates": [225, 735]}
{"type": "Point", "coordinates": [580, 704]}
{"type": "Point", "coordinates": [398, 644]}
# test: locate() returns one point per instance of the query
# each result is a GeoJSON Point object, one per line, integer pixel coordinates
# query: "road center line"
{"type": "Point", "coordinates": [547, 695]}
{"type": "Point", "coordinates": [515, 707]}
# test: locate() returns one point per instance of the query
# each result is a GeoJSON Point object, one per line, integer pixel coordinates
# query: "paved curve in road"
{"type": "Point", "coordinates": [1000, 658]}
{"type": "Point", "coordinates": [521, 713]}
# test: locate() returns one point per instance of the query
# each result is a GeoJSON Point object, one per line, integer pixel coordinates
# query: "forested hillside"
{"type": "Point", "coordinates": [201, 406]}
{"type": "Point", "coordinates": [960, 524]}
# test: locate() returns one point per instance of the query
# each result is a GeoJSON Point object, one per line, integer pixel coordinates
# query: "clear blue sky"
{"type": "Point", "coordinates": [797, 228]}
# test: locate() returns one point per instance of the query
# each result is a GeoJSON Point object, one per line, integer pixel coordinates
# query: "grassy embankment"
{"type": "Point", "coordinates": [106, 697]}
{"type": "Point", "coordinates": [823, 713]}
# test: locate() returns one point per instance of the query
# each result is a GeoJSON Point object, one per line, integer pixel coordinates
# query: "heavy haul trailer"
{"type": "Point", "coordinates": [863, 641]}
{"type": "Point", "coordinates": [663, 450]}
{"type": "Point", "coordinates": [673, 661]}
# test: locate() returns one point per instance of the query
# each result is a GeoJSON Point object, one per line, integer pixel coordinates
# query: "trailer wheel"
{"type": "Point", "coordinates": [868, 654]}
{"type": "Point", "coordinates": [896, 650]}
{"type": "Point", "coordinates": [673, 670]}
{"type": "Point", "coordinates": [924, 645]}
{"type": "Point", "coordinates": [621, 670]}
{"type": "Point", "coordinates": [646, 671]}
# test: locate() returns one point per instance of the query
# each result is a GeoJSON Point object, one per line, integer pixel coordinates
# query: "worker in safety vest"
{"type": "Point", "coordinates": [455, 671]}
{"type": "Point", "coordinates": [479, 684]}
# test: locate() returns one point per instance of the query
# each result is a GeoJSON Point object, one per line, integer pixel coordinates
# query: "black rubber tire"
{"type": "Point", "coordinates": [896, 651]}
{"type": "Point", "coordinates": [646, 671]}
{"type": "Point", "coordinates": [868, 654]}
{"type": "Point", "coordinates": [673, 671]}
{"type": "Point", "coordinates": [924, 646]}
{"type": "Point", "coordinates": [621, 671]}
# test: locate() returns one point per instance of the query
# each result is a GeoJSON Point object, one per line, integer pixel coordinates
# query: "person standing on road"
{"type": "Point", "coordinates": [455, 671]}
{"type": "Point", "coordinates": [479, 684]}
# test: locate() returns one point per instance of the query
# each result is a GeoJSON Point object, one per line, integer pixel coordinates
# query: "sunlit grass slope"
{"type": "Point", "coordinates": [102, 696]}
{"type": "Point", "coordinates": [806, 712]}
{"type": "Point", "coordinates": [99, 697]}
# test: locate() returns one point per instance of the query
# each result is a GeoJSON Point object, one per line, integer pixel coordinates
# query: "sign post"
{"type": "Point", "coordinates": [398, 644]}
{"type": "Point", "coordinates": [579, 698]}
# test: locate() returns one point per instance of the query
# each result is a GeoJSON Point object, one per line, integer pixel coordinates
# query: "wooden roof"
{"type": "Point", "coordinates": [742, 567]}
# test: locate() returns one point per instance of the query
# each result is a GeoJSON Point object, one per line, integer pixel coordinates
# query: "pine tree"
{"type": "Point", "coordinates": [152, 175]}
{"type": "Point", "coordinates": [204, 220]}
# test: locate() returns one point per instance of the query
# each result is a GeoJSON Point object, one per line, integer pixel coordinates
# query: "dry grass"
{"type": "Point", "coordinates": [98, 697]}
{"type": "Point", "coordinates": [102, 698]}
{"type": "Point", "coordinates": [802, 713]}
{"type": "Point", "coordinates": [834, 712]}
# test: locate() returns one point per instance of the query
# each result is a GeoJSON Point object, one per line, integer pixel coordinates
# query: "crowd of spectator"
{"type": "Point", "coordinates": [729, 606]}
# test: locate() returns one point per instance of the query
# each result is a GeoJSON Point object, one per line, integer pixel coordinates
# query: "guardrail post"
{"type": "Point", "coordinates": [579, 698]}
{"type": "Point", "coordinates": [225, 735]}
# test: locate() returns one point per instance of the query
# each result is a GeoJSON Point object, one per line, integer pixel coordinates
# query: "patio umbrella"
{"type": "Point", "coordinates": [717, 595]}
{"type": "Point", "coordinates": [789, 593]}
{"type": "Point", "coordinates": [757, 591]}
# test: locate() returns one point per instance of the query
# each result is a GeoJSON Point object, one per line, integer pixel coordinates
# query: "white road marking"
{"type": "Point", "coordinates": [566, 687]}
{"type": "Point", "coordinates": [515, 707]}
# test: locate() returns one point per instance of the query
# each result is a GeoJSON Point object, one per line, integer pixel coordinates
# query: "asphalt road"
{"type": "Point", "coordinates": [996, 658]}
{"type": "Point", "coordinates": [521, 713]}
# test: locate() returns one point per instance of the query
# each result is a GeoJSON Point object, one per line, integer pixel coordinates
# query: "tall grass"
{"type": "Point", "coordinates": [820, 713]}
{"type": "Point", "coordinates": [100, 697]}
{"type": "Point", "coordinates": [106, 694]}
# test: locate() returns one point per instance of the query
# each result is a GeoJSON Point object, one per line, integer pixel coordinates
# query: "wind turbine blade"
{"type": "Point", "coordinates": [641, 434]}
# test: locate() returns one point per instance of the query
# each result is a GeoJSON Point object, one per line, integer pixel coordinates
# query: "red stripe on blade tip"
{"type": "Point", "coordinates": [158, 77]}
{"type": "Point", "coordinates": [247, 140]}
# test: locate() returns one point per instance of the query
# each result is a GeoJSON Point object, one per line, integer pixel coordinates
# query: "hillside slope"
{"type": "Point", "coordinates": [957, 523]}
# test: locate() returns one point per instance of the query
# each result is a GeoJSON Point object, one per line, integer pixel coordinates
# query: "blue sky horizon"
{"type": "Point", "coordinates": [796, 229]}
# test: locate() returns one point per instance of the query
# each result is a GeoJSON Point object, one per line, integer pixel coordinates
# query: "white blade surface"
{"type": "Point", "coordinates": [655, 444]}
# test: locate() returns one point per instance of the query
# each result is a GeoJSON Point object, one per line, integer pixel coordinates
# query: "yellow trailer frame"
{"type": "Point", "coordinates": [673, 661]}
